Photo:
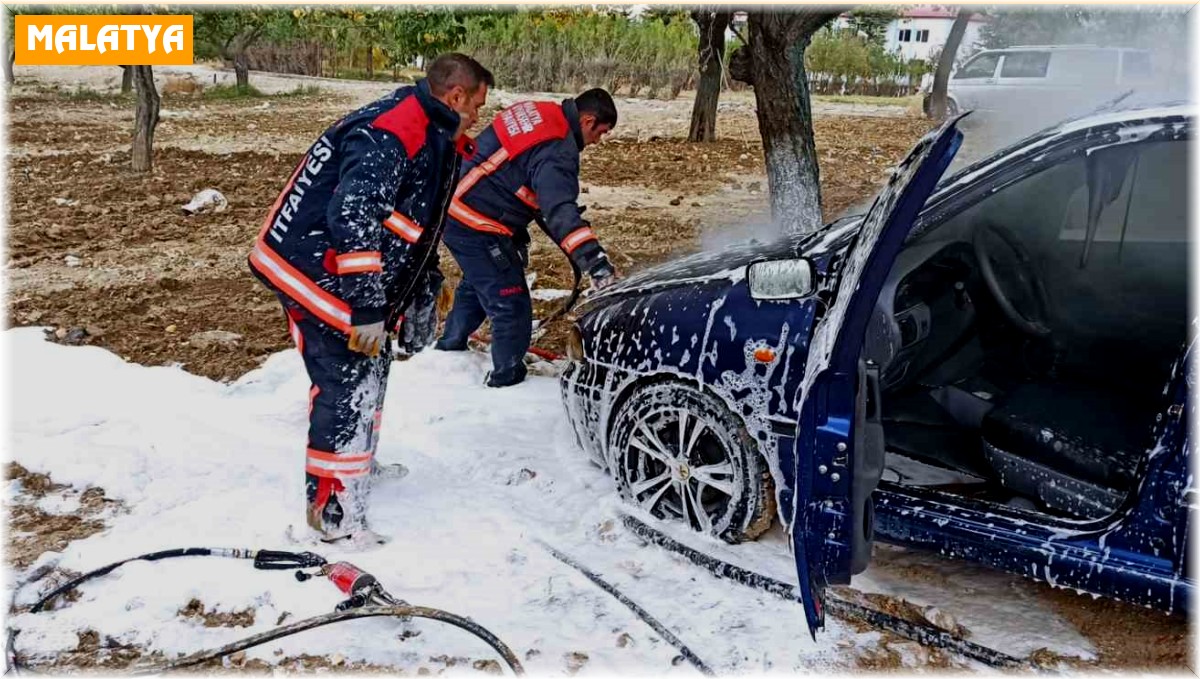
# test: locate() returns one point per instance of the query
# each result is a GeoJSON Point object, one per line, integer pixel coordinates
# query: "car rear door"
{"type": "Point", "coordinates": [1023, 84]}
{"type": "Point", "coordinates": [839, 442]}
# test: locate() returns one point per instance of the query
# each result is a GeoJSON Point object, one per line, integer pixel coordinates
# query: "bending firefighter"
{"type": "Point", "coordinates": [525, 168]}
{"type": "Point", "coordinates": [348, 245]}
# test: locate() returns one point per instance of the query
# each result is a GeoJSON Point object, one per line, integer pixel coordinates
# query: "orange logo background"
{"type": "Point", "coordinates": [103, 40]}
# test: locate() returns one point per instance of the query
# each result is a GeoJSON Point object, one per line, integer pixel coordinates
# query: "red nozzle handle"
{"type": "Point", "coordinates": [349, 578]}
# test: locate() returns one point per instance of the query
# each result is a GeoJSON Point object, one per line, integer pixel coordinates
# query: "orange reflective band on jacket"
{"type": "Point", "coordinates": [297, 286]}
{"type": "Point", "coordinates": [472, 219]}
{"type": "Point", "coordinates": [481, 170]}
{"type": "Point", "coordinates": [337, 466]}
{"type": "Point", "coordinates": [297, 336]}
{"type": "Point", "coordinates": [404, 227]}
{"type": "Point", "coordinates": [359, 262]}
{"type": "Point", "coordinates": [576, 238]}
{"type": "Point", "coordinates": [527, 196]}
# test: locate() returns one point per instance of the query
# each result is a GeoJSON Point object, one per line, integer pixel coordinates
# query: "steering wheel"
{"type": "Point", "coordinates": [1017, 269]}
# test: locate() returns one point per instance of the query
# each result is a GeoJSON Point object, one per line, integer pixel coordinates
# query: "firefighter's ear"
{"type": "Point", "coordinates": [456, 97]}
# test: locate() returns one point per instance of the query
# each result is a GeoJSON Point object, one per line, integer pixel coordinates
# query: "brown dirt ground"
{"type": "Point", "coordinates": [32, 531]}
{"type": "Point", "coordinates": [1126, 637]}
{"type": "Point", "coordinates": [150, 277]}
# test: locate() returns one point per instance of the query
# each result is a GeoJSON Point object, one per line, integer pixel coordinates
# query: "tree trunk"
{"type": "Point", "coordinates": [370, 63]}
{"type": "Point", "coordinates": [712, 25]}
{"type": "Point", "coordinates": [145, 118]}
{"type": "Point", "coordinates": [941, 78]}
{"type": "Point", "coordinates": [126, 79]}
{"type": "Point", "coordinates": [777, 43]}
{"type": "Point", "coordinates": [8, 63]}
{"type": "Point", "coordinates": [241, 62]}
{"type": "Point", "coordinates": [241, 70]}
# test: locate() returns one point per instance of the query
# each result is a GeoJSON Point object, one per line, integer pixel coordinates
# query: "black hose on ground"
{"type": "Point", "coordinates": [330, 618]}
{"type": "Point", "coordinates": [926, 635]}
{"type": "Point", "coordinates": [263, 560]}
{"type": "Point", "coordinates": [637, 610]}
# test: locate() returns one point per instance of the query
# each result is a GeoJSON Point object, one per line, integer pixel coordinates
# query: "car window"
{"type": "Point", "coordinates": [1025, 65]}
{"type": "Point", "coordinates": [982, 66]}
{"type": "Point", "coordinates": [1158, 204]}
{"type": "Point", "coordinates": [1087, 66]}
{"type": "Point", "coordinates": [1124, 293]}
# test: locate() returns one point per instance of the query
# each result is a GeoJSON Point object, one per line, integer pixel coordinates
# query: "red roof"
{"type": "Point", "coordinates": [935, 12]}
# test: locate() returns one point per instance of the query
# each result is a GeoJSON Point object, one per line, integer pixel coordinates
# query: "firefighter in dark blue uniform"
{"type": "Point", "coordinates": [349, 243]}
{"type": "Point", "coordinates": [525, 168]}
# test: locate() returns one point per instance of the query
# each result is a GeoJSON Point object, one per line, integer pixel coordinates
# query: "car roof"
{"type": "Point", "coordinates": [1063, 48]}
{"type": "Point", "coordinates": [1128, 113]}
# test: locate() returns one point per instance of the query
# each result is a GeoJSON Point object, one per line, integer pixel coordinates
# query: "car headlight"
{"type": "Point", "coordinates": [575, 344]}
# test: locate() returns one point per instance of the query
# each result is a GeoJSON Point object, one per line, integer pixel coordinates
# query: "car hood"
{"type": "Point", "coordinates": [728, 265]}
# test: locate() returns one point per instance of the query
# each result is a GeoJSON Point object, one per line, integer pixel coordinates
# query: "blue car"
{"type": "Point", "coordinates": [994, 367]}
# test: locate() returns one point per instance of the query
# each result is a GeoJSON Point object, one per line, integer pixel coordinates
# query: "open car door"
{"type": "Point", "coordinates": [839, 443]}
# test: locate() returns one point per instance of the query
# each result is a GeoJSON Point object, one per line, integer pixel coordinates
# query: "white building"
{"type": "Point", "coordinates": [922, 30]}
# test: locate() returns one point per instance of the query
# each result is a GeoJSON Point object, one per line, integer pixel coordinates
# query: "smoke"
{"type": "Point", "coordinates": [1076, 82]}
{"type": "Point", "coordinates": [1060, 83]}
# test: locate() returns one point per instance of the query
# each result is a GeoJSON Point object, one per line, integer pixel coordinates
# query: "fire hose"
{"type": "Point", "coordinates": [924, 634]}
{"type": "Point", "coordinates": [367, 598]}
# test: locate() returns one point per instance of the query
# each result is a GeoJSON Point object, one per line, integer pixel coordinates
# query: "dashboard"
{"type": "Point", "coordinates": [923, 311]}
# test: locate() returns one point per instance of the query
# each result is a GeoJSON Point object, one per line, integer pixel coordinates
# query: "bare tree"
{"type": "Point", "coordinates": [941, 78]}
{"type": "Point", "coordinates": [712, 23]}
{"type": "Point", "coordinates": [10, 46]}
{"type": "Point", "coordinates": [126, 79]}
{"type": "Point", "coordinates": [145, 118]}
{"type": "Point", "coordinates": [775, 60]}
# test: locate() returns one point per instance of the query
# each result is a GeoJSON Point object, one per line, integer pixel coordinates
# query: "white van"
{"type": "Point", "coordinates": [1050, 80]}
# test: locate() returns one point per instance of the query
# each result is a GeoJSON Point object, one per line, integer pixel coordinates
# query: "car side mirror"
{"type": "Point", "coordinates": [781, 279]}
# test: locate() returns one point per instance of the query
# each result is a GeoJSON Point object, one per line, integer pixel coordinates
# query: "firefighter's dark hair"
{"type": "Point", "coordinates": [599, 103]}
{"type": "Point", "coordinates": [453, 69]}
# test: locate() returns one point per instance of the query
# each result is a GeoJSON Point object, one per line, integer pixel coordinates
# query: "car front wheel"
{"type": "Point", "coordinates": [678, 453]}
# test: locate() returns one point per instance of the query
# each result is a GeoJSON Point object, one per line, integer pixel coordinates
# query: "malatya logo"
{"type": "Point", "coordinates": [103, 40]}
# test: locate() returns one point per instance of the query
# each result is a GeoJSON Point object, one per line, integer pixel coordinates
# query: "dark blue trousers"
{"type": "Point", "coordinates": [344, 412]}
{"type": "Point", "coordinates": [493, 286]}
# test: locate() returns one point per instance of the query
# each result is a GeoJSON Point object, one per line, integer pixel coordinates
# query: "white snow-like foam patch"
{"type": "Point", "coordinates": [198, 463]}
{"type": "Point", "coordinates": [549, 294]}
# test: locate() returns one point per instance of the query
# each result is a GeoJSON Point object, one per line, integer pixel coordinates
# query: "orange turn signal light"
{"type": "Point", "coordinates": [764, 354]}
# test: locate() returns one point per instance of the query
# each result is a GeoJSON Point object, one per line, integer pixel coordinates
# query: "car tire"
{"type": "Point", "coordinates": [709, 475]}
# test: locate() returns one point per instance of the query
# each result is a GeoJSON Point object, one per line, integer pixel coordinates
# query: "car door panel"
{"type": "Point", "coordinates": [826, 523]}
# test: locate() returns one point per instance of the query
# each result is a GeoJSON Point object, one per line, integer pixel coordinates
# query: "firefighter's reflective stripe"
{"type": "Point", "coordinates": [527, 196]}
{"type": "Point", "coordinates": [337, 466]}
{"type": "Point", "coordinates": [297, 336]}
{"type": "Point", "coordinates": [359, 262]}
{"type": "Point", "coordinates": [404, 227]}
{"type": "Point", "coordinates": [488, 166]}
{"type": "Point", "coordinates": [474, 220]}
{"type": "Point", "coordinates": [296, 285]}
{"type": "Point", "coordinates": [576, 238]}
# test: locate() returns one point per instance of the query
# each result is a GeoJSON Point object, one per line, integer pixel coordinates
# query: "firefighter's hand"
{"type": "Point", "coordinates": [368, 339]}
{"type": "Point", "coordinates": [603, 276]}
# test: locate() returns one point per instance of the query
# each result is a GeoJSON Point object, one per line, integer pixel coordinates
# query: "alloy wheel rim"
{"type": "Point", "coordinates": [678, 466]}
